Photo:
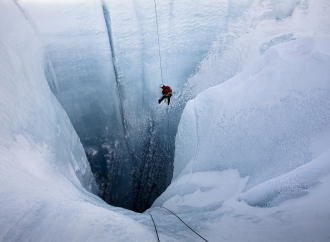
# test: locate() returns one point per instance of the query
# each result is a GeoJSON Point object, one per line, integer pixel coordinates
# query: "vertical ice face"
{"type": "Point", "coordinates": [45, 179]}
{"type": "Point", "coordinates": [186, 31]}
{"type": "Point", "coordinates": [36, 134]}
{"type": "Point", "coordinates": [76, 38]}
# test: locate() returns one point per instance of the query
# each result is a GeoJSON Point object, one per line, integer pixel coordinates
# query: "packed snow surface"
{"type": "Point", "coordinates": [252, 159]}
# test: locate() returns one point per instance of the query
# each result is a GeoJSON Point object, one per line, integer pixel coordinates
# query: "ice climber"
{"type": "Point", "coordinates": [167, 93]}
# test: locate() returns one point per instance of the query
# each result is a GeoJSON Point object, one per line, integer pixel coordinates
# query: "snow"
{"type": "Point", "coordinates": [254, 27]}
{"type": "Point", "coordinates": [252, 154]}
{"type": "Point", "coordinates": [290, 185]}
{"type": "Point", "coordinates": [82, 78]}
{"type": "Point", "coordinates": [288, 85]}
{"type": "Point", "coordinates": [46, 181]}
{"type": "Point", "coordinates": [209, 188]}
{"type": "Point", "coordinates": [39, 203]}
{"type": "Point", "coordinates": [27, 116]}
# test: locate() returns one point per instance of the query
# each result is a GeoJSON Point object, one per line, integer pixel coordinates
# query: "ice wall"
{"type": "Point", "coordinates": [151, 128]}
{"type": "Point", "coordinates": [252, 154]}
{"type": "Point", "coordinates": [30, 114]}
{"type": "Point", "coordinates": [265, 122]}
{"type": "Point", "coordinates": [44, 174]}
{"type": "Point", "coordinates": [76, 38]}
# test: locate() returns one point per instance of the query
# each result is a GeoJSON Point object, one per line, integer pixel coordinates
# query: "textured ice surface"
{"type": "Point", "coordinates": [30, 114]}
{"type": "Point", "coordinates": [260, 139]}
{"type": "Point", "coordinates": [253, 27]}
{"type": "Point", "coordinates": [266, 114]}
{"type": "Point", "coordinates": [290, 185]}
{"type": "Point", "coordinates": [44, 174]}
{"type": "Point", "coordinates": [76, 39]}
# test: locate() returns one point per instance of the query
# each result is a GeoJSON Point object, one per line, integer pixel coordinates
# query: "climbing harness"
{"type": "Point", "coordinates": [180, 220]}
{"type": "Point", "coordinates": [155, 227]}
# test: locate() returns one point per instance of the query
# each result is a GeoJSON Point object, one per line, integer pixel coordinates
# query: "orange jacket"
{"type": "Point", "coordinates": [167, 91]}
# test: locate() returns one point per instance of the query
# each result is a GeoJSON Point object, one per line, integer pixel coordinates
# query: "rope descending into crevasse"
{"type": "Point", "coordinates": [168, 131]}
{"type": "Point", "coordinates": [184, 223]}
{"type": "Point", "coordinates": [155, 227]}
{"type": "Point", "coordinates": [180, 220]}
{"type": "Point", "coordinates": [160, 57]}
{"type": "Point", "coordinates": [161, 74]}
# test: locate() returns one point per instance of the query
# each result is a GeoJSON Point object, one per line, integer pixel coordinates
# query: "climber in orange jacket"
{"type": "Point", "coordinates": [167, 93]}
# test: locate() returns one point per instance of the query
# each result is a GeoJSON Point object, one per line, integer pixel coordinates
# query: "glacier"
{"type": "Point", "coordinates": [245, 159]}
{"type": "Point", "coordinates": [107, 80]}
{"type": "Point", "coordinates": [46, 181]}
{"type": "Point", "coordinates": [103, 67]}
{"type": "Point", "coordinates": [269, 130]}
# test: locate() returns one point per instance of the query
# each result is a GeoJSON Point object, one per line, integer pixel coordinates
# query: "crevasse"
{"type": "Point", "coordinates": [259, 171]}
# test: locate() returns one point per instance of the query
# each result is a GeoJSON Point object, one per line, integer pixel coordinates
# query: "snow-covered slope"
{"type": "Point", "coordinates": [254, 152]}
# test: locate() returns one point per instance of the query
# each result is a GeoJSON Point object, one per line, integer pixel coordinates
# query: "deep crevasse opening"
{"type": "Point", "coordinates": [87, 88]}
{"type": "Point", "coordinates": [108, 81]}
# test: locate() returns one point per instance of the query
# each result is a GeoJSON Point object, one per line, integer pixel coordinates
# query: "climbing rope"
{"type": "Point", "coordinates": [161, 74]}
{"type": "Point", "coordinates": [160, 57]}
{"type": "Point", "coordinates": [168, 131]}
{"type": "Point", "coordinates": [184, 223]}
{"type": "Point", "coordinates": [155, 227]}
